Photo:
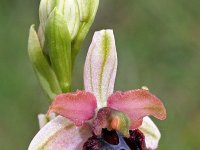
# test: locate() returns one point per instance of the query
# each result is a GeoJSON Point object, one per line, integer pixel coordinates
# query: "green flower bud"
{"type": "Point", "coordinates": [88, 9]}
{"type": "Point", "coordinates": [41, 66]}
{"type": "Point", "coordinates": [68, 8]}
{"type": "Point", "coordinates": [46, 7]}
{"type": "Point", "coordinates": [58, 43]}
{"type": "Point", "coordinates": [84, 6]}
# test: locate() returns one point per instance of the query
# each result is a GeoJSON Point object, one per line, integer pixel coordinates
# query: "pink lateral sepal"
{"type": "Point", "coordinates": [78, 106]}
{"type": "Point", "coordinates": [137, 104]}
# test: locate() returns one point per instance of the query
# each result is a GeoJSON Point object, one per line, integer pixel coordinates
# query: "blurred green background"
{"type": "Point", "coordinates": [158, 43]}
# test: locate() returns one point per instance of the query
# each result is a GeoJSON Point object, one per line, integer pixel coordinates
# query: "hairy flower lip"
{"type": "Point", "coordinates": [110, 140]}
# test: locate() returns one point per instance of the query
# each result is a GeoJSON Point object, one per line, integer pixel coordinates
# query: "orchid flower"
{"type": "Point", "coordinates": [96, 118]}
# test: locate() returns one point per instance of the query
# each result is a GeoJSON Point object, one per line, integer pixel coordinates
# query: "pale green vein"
{"type": "Point", "coordinates": [106, 49]}
{"type": "Point", "coordinates": [42, 147]}
{"type": "Point", "coordinates": [91, 68]}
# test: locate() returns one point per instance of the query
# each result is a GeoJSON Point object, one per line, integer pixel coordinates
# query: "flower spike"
{"type": "Point", "coordinates": [95, 118]}
{"type": "Point", "coordinates": [101, 66]}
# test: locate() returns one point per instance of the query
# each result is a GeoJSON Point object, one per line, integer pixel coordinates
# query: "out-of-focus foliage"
{"type": "Point", "coordinates": [158, 45]}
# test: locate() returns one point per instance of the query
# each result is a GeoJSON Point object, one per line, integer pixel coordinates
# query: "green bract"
{"type": "Point", "coordinates": [88, 9]}
{"type": "Point", "coordinates": [57, 42]}
{"type": "Point", "coordinates": [44, 72]}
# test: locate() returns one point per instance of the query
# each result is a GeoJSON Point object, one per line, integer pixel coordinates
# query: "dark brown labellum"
{"type": "Point", "coordinates": [112, 140]}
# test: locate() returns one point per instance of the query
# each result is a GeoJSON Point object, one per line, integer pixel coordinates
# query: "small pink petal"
{"type": "Point", "coordinates": [137, 104]}
{"type": "Point", "coordinates": [60, 134]}
{"type": "Point", "coordinates": [78, 107]}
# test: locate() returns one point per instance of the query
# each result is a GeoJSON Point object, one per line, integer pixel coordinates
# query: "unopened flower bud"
{"type": "Point", "coordinates": [68, 8]}
{"type": "Point", "coordinates": [88, 9]}
{"type": "Point", "coordinates": [46, 7]}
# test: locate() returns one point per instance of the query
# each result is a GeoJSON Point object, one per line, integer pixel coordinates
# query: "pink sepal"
{"type": "Point", "coordinates": [61, 134]}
